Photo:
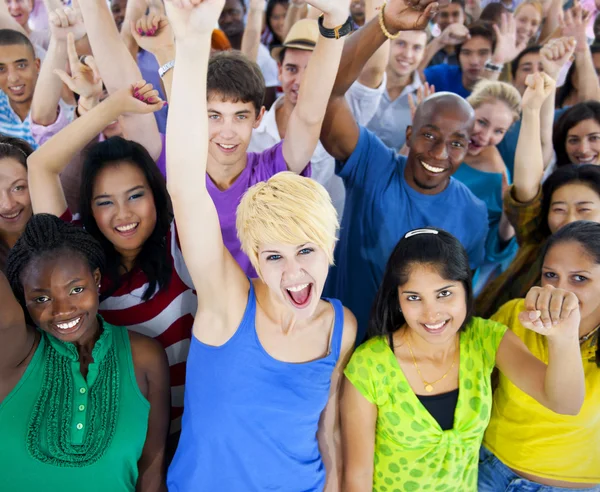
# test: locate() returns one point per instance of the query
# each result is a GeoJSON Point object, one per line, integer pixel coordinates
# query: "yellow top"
{"type": "Point", "coordinates": [528, 437]}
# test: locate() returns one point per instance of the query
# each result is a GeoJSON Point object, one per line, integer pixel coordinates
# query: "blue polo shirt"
{"type": "Point", "coordinates": [380, 209]}
{"type": "Point", "coordinates": [446, 78]}
{"type": "Point", "coordinates": [11, 125]}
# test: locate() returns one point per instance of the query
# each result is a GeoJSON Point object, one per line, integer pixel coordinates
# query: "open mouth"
{"type": "Point", "coordinates": [300, 295]}
{"type": "Point", "coordinates": [127, 229]}
{"type": "Point", "coordinates": [227, 149]}
{"type": "Point", "coordinates": [17, 90]}
{"type": "Point", "coordinates": [69, 326]}
{"type": "Point", "coordinates": [12, 216]}
{"type": "Point", "coordinates": [587, 159]}
{"type": "Point", "coordinates": [432, 169]}
{"type": "Point", "coordinates": [436, 328]}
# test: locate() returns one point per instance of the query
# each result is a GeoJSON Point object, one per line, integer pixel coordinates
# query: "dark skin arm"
{"type": "Point", "coordinates": [152, 375]}
{"type": "Point", "coordinates": [340, 131]}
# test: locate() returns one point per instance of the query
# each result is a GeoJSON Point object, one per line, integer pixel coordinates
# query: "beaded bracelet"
{"type": "Point", "coordinates": [382, 24]}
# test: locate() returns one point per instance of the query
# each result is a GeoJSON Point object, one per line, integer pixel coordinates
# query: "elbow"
{"type": "Point", "coordinates": [568, 406]}
{"type": "Point", "coordinates": [43, 118]}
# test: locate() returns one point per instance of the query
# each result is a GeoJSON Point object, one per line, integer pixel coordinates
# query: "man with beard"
{"type": "Point", "coordinates": [387, 194]}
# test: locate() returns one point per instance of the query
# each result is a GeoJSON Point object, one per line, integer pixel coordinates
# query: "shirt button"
{"type": "Point", "coordinates": [79, 426]}
{"type": "Point", "coordinates": [81, 408]}
{"type": "Point", "coordinates": [82, 390]}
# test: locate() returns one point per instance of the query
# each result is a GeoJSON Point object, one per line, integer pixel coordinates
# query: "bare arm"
{"type": "Point", "coordinates": [359, 418]}
{"type": "Point", "coordinates": [16, 339]}
{"type": "Point", "coordinates": [329, 426]}
{"type": "Point", "coordinates": [559, 386]}
{"type": "Point", "coordinates": [372, 74]}
{"type": "Point", "coordinates": [304, 126]}
{"type": "Point", "coordinates": [254, 25]}
{"type": "Point", "coordinates": [118, 70]}
{"type": "Point", "coordinates": [297, 10]}
{"type": "Point", "coordinates": [453, 35]}
{"type": "Point", "coordinates": [551, 20]}
{"type": "Point", "coordinates": [47, 162]}
{"type": "Point", "coordinates": [7, 22]}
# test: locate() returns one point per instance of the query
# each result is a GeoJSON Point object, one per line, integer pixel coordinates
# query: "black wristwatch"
{"type": "Point", "coordinates": [336, 32]}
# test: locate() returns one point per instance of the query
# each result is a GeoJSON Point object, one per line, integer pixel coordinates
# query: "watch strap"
{"type": "Point", "coordinates": [165, 68]}
{"type": "Point", "coordinates": [337, 32]}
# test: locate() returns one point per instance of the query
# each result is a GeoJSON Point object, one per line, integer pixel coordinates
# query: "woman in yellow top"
{"type": "Point", "coordinates": [417, 395]}
{"type": "Point", "coordinates": [526, 446]}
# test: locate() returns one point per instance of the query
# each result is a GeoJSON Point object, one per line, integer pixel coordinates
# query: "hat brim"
{"type": "Point", "coordinates": [298, 44]}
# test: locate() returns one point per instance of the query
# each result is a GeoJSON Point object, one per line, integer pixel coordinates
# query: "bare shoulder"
{"type": "Point", "coordinates": [146, 352]}
{"type": "Point", "coordinates": [494, 160]}
{"type": "Point", "coordinates": [349, 337]}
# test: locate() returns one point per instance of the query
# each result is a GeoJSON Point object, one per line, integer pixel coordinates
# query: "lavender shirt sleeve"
{"type": "Point", "coordinates": [41, 134]}
{"type": "Point", "coordinates": [270, 162]}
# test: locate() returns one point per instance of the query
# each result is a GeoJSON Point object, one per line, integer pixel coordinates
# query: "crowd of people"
{"type": "Point", "coordinates": [300, 245]}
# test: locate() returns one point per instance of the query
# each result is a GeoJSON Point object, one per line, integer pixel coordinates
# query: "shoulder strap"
{"type": "Point", "coordinates": [338, 328]}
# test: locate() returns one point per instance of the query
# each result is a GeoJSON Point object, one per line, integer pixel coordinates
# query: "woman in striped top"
{"type": "Point", "coordinates": [125, 205]}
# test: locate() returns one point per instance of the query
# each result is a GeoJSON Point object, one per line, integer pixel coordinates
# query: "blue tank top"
{"type": "Point", "coordinates": [250, 421]}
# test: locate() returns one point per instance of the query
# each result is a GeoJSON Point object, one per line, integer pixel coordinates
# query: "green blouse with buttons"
{"type": "Point", "coordinates": [412, 452]}
{"type": "Point", "coordinates": [61, 432]}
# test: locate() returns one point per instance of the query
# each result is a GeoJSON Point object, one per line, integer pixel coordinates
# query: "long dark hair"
{"type": "Point", "coordinates": [588, 110]}
{"type": "Point", "coordinates": [587, 235]}
{"type": "Point", "coordinates": [153, 259]}
{"type": "Point", "coordinates": [568, 87]}
{"type": "Point", "coordinates": [587, 174]}
{"type": "Point", "coordinates": [440, 249]}
{"type": "Point", "coordinates": [271, 4]}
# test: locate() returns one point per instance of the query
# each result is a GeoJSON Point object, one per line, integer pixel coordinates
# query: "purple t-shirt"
{"type": "Point", "coordinates": [260, 167]}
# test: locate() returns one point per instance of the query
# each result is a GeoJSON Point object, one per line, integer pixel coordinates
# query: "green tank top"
{"type": "Point", "coordinates": [85, 434]}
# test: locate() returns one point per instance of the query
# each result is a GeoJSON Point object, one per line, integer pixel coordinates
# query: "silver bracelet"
{"type": "Point", "coordinates": [165, 68]}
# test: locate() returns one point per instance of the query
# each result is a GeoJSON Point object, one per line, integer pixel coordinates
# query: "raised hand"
{"type": "Point", "coordinates": [539, 87]}
{"type": "Point", "coordinates": [507, 47]}
{"type": "Point", "coordinates": [551, 312]}
{"type": "Point", "coordinates": [555, 54]}
{"type": "Point", "coordinates": [152, 32]}
{"type": "Point", "coordinates": [140, 98]}
{"type": "Point", "coordinates": [422, 93]}
{"type": "Point", "coordinates": [64, 21]}
{"type": "Point", "coordinates": [410, 15]}
{"type": "Point", "coordinates": [574, 24]}
{"type": "Point", "coordinates": [338, 9]}
{"type": "Point", "coordinates": [84, 79]}
{"type": "Point", "coordinates": [192, 18]}
{"type": "Point", "coordinates": [257, 5]}
{"type": "Point", "coordinates": [454, 34]}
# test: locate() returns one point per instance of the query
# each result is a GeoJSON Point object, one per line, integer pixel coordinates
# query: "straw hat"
{"type": "Point", "coordinates": [302, 36]}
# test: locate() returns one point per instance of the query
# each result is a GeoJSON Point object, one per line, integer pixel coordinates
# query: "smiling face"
{"type": "Point", "coordinates": [15, 203]}
{"type": "Point", "coordinates": [291, 72]}
{"type": "Point", "coordinates": [61, 295]}
{"type": "Point", "coordinates": [572, 202]}
{"type": "Point", "coordinates": [434, 308]}
{"type": "Point", "coordinates": [19, 71]}
{"type": "Point", "coordinates": [492, 121]}
{"type": "Point", "coordinates": [123, 207]}
{"type": "Point", "coordinates": [357, 11]}
{"type": "Point", "coordinates": [19, 10]}
{"type": "Point", "coordinates": [295, 275]}
{"type": "Point", "coordinates": [583, 143]}
{"type": "Point", "coordinates": [438, 144]}
{"type": "Point", "coordinates": [568, 266]}
{"type": "Point", "coordinates": [231, 21]}
{"type": "Point", "coordinates": [473, 55]}
{"type": "Point", "coordinates": [528, 21]}
{"type": "Point", "coordinates": [230, 128]}
{"type": "Point", "coordinates": [406, 52]}
{"type": "Point", "coordinates": [277, 20]}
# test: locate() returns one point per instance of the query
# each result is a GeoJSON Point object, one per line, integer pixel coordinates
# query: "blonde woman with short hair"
{"type": "Point", "coordinates": [497, 106]}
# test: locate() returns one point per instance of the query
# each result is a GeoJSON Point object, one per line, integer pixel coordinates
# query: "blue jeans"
{"type": "Point", "coordinates": [495, 476]}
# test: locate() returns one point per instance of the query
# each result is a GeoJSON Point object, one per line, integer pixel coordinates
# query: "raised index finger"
{"type": "Point", "coordinates": [72, 51]}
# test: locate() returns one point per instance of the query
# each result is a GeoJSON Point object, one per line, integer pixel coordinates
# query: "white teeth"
{"type": "Point", "coordinates": [12, 216]}
{"type": "Point", "coordinates": [298, 288]}
{"type": "Point", "coordinates": [436, 326]}
{"type": "Point", "coordinates": [227, 147]}
{"type": "Point", "coordinates": [16, 87]}
{"type": "Point", "coordinates": [432, 168]}
{"type": "Point", "coordinates": [127, 227]}
{"type": "Point", "coordinates": [66, 326]}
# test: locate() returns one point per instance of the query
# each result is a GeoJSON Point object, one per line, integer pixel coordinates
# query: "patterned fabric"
{"type": "Point", "coordinates": [411, 450]}
{"type": "Point", "coordinates": [11, 124]}
{"type": "Point", "coordinates": [524, 272]}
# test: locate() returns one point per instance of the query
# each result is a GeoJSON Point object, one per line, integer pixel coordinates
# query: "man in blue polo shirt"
{"type": "Point", "coordinates": [386, 194]}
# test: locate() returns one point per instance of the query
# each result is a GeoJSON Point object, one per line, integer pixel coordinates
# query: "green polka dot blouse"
{"type": "Point", "coordinates": [412, 452]}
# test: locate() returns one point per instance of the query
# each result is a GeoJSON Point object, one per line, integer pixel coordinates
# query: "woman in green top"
{"type": "Point", "coordinates": [417, 394]}
{"type": "Point", "coordinates": [84, 405]}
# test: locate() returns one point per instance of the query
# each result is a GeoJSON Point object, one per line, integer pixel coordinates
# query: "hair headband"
{"type": "Point", "coordinates": [416, 232]}
{"type": "Point", "coordinates": [15, 147]}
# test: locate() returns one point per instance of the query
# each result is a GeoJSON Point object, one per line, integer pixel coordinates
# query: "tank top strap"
{"type": "Point", "coordinates": [338, 327]}
{"type": "Point", "coordinates": [247, 325]}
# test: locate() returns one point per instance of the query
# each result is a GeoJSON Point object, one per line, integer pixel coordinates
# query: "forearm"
{"type": "Point", "coordinates": [135, 10]}
{"type": "Point", "coordinates": [546, 128]}
{"type": "Point", "coordinates": [529, 165]}
{"type": "Point", "coordinates": [588, 89]}
{"type": "Point", "coordinates": [432, 49]}
{"type": "Point", "coordinates": [294, 14]}
{"type": "Point", "coordinates": [7, 22]}
{"type": "Point", "coordinates": [251, 37]}
{"type": "Point", "coordinates": [49, 85]}
{"type": "Point", "coordinates": [372, 75]}
{"type": "Point", "coordinates": [565, 381]}
{"type": "Point", "coordinates": [163, 56]}
{"type": "Point", "coordinates": [505, 230]}
{"type": "Point", "coordinates": [551, 22]}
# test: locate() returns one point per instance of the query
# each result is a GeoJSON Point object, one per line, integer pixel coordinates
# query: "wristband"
{"type": "Point", "coordinates": [492, 67]}
{"type": "Point", "coordinates": [165, 68]}
{"type": "Point", "coordinates": [337, 32]}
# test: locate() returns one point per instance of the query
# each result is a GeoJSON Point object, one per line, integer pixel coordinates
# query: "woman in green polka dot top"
{"type": "Point", "coordinates": [417, 394]}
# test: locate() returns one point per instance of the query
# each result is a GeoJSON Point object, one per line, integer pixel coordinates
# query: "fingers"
{"type": "Point", "coordinates": [67, 80]}
{"type": "Point", "coordinates": [72, 52]}
{"type": "Point", "coordinates": [556, 306]}
{"type": "Point", "coordinates": [547, 306]}
{"type": "Point", "coordinates": [91, 64]}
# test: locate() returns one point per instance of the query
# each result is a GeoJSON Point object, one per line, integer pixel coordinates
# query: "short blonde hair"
{"type": "Point", "coordinates": [489, 91]}
{"type": "Point", "coordinates": [287, 209]}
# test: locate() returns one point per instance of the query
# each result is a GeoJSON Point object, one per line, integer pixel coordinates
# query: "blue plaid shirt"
{"type": "Point", "coordinates": [11, 124]}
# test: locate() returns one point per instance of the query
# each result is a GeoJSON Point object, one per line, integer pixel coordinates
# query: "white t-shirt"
{"type": "Point", "coordinates": [268, 66]}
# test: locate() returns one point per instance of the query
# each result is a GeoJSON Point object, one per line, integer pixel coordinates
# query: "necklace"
{"type": "Point", "coordinates": [585, 338]}
{"type": "Point", "coordinates": [429, 386]}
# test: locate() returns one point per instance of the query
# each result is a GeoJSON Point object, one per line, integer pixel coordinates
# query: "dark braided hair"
{"type": "Point", "coordinates": [47, 235]}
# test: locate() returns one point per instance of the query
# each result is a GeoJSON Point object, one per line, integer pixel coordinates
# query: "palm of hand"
{"type": "Point", "coordinates": [200, 17]}
{"type": "Point", "coordinates": [85, 86]}
{"type": "Point", "coordinates": [403, 16]}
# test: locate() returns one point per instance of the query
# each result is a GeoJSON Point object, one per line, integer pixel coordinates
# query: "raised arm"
{"type": "Point", "coordinates": [44, 107]}
{"type": "Point", "coordinates": [297, 10]}
{"type": "Point", "coordinates": [453, 35]}
{"type": "Point", "coordinates": [340, 131]}
{"type": "Point", "coordinates": [118, 70]}
{"type": "Point", "coordinates": [219, 281]}
{"type": "Point", "coordinates": [253, 30]}
{"type": "Point", "coordinates": [304, 126]}
{"type": "Point", "coordinates": [529, 162]}
{"type": "Point", "coordinates": [16, 339]}
{"type": "Point", "coordinates": [372, 74]}
{"type": "Point", "coordinates": [6, 20]}
{"type": "Point", "coordinates": [47, 162]}
{"type": "Point", "coordinates": [507, 48]}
